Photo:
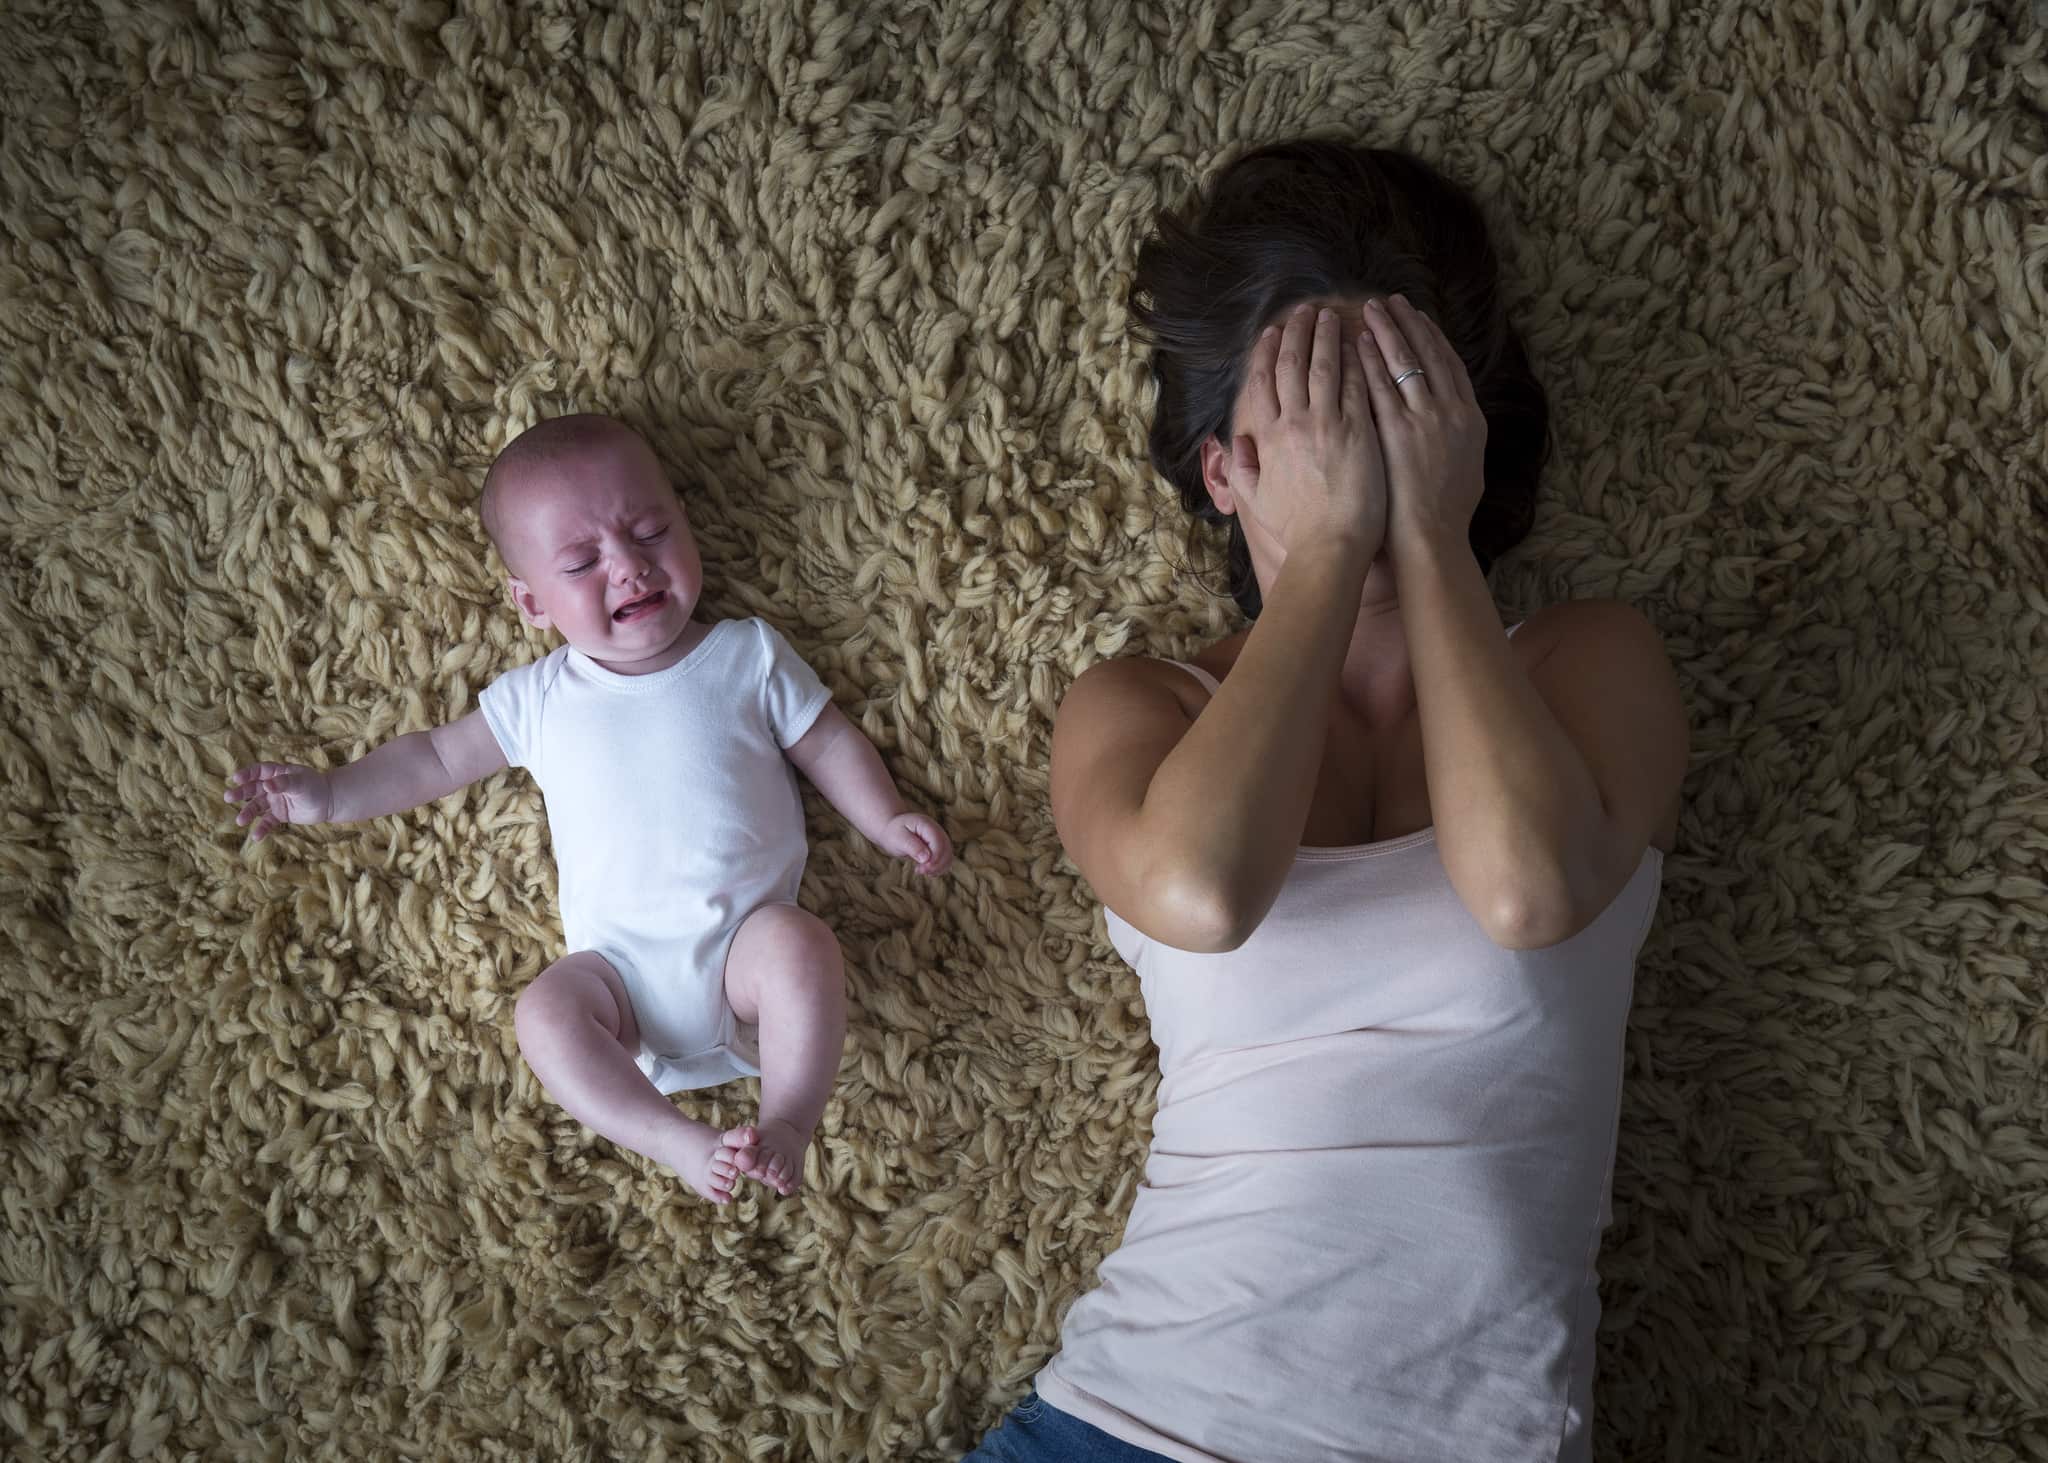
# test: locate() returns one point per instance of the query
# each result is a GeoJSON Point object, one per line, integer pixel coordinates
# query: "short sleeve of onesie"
{"type": "Point", "coordinates": [792, 696]}
{"type": "Point", "coordinates": [512, 704]}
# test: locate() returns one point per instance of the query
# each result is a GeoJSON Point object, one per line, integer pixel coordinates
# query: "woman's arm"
{"type": "Point", "coordinates": [1189, 830]}
{"type": "Point", "coordinates": [1546, 784]}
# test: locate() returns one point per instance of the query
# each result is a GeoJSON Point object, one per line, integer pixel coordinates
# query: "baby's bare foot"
{"type": "Point", "coordinates": [777, 1159]}
{"type": "Point", "coordinates": [712, 1162]}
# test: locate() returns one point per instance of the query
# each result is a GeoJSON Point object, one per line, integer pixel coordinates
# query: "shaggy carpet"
{"type": "Point", "coordinates": [276, 282]}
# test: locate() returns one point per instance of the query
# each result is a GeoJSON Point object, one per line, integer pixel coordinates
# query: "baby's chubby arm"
{"type": "Point", "coordinates": [405, 772]}
{"type": "Point", "coordinates": [843, 765]}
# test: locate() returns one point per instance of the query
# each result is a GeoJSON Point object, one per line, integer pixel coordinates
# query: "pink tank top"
{"type": "Point", "coordinates": [1379, 1172]}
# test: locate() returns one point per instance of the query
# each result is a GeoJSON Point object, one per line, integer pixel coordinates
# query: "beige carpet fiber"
{"type": "Point", "coordinates": [275, 283]}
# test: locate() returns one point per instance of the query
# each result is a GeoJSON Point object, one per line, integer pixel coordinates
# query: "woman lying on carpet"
{"type": "Point", "coordinates": [1382, 866]}
{"type": "Point", "coordinates": [664, 746]}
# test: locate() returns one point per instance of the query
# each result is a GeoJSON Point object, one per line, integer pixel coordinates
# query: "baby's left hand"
{"type": "Point", "coordinates": [919, 839]}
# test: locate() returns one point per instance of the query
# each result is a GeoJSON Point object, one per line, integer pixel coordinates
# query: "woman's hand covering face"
{"type": "Point", "coordinates": [1306, 465]}
{"type": "Point", "coordinates": [1431, 431]}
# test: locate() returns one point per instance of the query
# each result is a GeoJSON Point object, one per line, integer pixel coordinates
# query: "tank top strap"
{"type": "Point", "coordinates": [1209, 683]}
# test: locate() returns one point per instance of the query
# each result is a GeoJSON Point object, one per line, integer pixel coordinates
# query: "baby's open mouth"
{"type": "Point", "coordinates": [646, 604]}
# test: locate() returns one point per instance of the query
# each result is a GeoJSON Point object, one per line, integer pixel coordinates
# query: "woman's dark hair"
{"type": "Point", "coordinates": [1299, 220]}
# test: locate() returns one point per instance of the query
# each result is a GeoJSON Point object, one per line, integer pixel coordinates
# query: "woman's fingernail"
{"type": "Point", "coordinates": [1269, 332]}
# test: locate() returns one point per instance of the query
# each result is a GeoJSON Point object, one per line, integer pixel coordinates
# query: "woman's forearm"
{"type": "Point", "coordinates": [1228, 804]}
{"type": "Point", "coordinates": [1516, 807]}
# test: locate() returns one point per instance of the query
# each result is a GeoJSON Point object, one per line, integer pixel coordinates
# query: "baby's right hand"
{"type": "Point", "coordinates": [275, 793]}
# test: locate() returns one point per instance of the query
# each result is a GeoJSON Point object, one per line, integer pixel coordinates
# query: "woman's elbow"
{"type": "Point", "coordinates": [1196, 911]}
{"type": "Point", "coordinates": [1516, 924]}
{"type": "Point", "coordinates": [1535, 913]}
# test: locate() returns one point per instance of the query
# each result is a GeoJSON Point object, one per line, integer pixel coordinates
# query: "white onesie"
{"type": "Point", "coordinates": [674, 815]}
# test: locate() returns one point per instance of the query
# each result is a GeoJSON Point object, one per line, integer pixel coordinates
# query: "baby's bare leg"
{"type": "Point", "coordinates": [784, 974]}
{"type": "Point", "coordinates": [577, 1032]}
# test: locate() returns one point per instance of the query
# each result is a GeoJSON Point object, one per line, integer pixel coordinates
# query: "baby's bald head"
{"type": "Point", "coordinates": [537, 459]}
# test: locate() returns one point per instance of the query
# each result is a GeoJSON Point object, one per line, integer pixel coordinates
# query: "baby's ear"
{"type": "Point", "coordinates": [524, 601]}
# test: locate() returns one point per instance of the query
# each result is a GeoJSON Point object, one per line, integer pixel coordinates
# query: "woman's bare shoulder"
{"type": "Point", "coordinates": [1130, 683]}
{"type": "Point", "coordinates": [1579, 623]}
{"type": "Point", "coordinates": [1117, 723]}
{"type": "Point", "coordinates": [1601, 667]}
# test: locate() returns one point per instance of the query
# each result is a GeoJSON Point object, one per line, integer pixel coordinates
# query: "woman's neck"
{"type": "Point", "coordinates": [1377, 682]}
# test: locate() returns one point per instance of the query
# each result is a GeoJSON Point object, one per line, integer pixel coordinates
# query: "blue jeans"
{"type": "Point", "coordinates": [1037, 1432]}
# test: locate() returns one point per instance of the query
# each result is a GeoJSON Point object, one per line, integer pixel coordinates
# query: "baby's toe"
{"type": "Point", "coordinates": [744, 1136]}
